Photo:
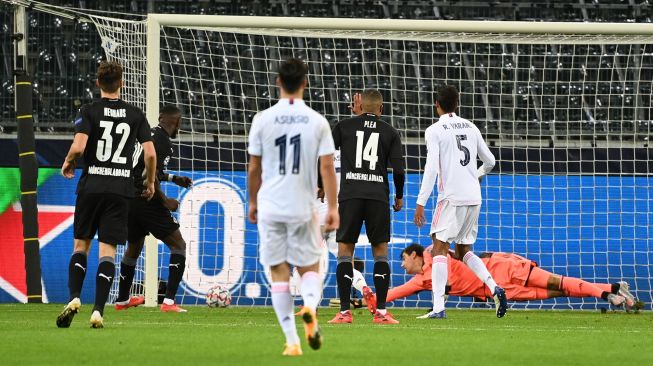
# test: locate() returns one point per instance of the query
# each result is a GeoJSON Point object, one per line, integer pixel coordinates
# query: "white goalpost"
{"type": "Point", "coordinates": [565, 108]}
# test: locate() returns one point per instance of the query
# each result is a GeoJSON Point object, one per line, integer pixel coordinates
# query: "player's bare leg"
{"type": "Point", "coordinates": [311, 290]}
{"type": "Point", "coordinates": [103, 281]}
{"type": "Point", "coordinates": [282, 303]}
{"type": "Point", "coordinates": [76, 273]}
{"type": "Point", "coordinates": [127, 270]}
{"type": "Point", "coordinates": [176, 268]}
{"type": "Point", "coordinates": [477, 266]}
{"type": "Point", "coordinates": [382, 283]}
{"type": "Point", "coordinates": [345, 279]}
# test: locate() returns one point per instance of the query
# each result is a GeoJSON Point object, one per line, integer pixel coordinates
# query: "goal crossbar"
{"type": "Point", "coordinates": [402, 25]}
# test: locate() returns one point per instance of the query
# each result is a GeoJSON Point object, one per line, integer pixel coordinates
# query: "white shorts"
{"type": "Point", "coordinates": [299, 244]}
{"type": "Point", "coordinates": [457, 224]}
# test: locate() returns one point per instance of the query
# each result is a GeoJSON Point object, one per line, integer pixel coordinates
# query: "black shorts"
{"type": "Point", "coordinates": [104, 213]}
{"type": "Point", "coordinates": [375, 214]}
{"type": "Point", "coordinates": [150, 217]}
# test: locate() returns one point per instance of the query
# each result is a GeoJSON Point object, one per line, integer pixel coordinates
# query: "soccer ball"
{"type": "Point", "coordinates": [218, 297]}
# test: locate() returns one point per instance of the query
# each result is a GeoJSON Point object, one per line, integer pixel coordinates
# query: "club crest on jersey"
{"type": "Point", "coordinates": [370, 124]}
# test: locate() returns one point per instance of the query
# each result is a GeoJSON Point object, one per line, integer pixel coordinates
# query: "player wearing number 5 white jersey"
{"type": "Point", "coordinates": [452, 146]}
{"type": "Point", "coordinates": [285, 143]}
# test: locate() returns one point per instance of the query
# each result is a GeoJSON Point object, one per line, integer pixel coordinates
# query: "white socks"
{"type": "Point", "coordinates": [439, 277]}
{"type": "Point", "coordinates": [478, 267]}
{"type": "Point", "coordinates": [311, 289]}
{"type": "Point", "coordinates": [359, 281]}
{"type": "Point", "coordinates": [283, 307]}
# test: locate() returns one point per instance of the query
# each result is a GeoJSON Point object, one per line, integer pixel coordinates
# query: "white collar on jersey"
{"type": "Point", "coordinates": [291, 101]}
{"type": "Point", "coordinates": [448, 115]}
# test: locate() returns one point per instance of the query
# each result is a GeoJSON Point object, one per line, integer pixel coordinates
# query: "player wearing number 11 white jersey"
{"type": "Point", "coordinates": [452, 146]}
{"type": "Point", "coordinates": [285, 143]}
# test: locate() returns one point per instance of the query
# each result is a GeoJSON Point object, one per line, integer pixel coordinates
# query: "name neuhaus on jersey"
{"type": "Point", "coordinates": [115, 113]}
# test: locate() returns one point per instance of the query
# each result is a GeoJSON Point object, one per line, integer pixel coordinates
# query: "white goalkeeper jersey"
{"type": "Point", "coordinates": [452, 146]}
{"type": "Point", "coordinates": [289, 137]}
{"type": "Point", "coordinates": [323, 207]}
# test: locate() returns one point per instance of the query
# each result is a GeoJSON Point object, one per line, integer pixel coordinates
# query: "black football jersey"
{"type": "Point", "coordinates": [366, 145]}
{"type": "Point", "coordinates": [163, 147]}
{"type": "Point", "coordinates": [113, 126]}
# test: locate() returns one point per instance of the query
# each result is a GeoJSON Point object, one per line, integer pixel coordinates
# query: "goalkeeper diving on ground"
{"type": "Point", "coordinates": [522, 279]}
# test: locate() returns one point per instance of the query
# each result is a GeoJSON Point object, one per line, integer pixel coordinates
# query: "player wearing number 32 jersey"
{"type": "Point", "coordinates": [285, 142]}
{"type": "Point", "coordinates": [106, 132]}
{"type": "Point", "coordinates": [452, 146]}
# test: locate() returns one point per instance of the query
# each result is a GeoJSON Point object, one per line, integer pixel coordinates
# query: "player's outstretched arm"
{"type": "Point", "coordinates": [181, 181]}
{"type": "Point", "coordinates": [254, 181]}
{"type": "Point", "coordinates": [328, 172]}
{"type": "Point", "coordinates": [149, 157]}
{"type": "Point", "coordinates": [407, 289]}
{"type": "Point", "coordinates": [76, 150]}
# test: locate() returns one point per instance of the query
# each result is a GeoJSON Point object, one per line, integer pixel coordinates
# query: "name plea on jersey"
{"type": "Point", "coordinates": [370, 124]}
{"type": "Point", "coordinates": [115, 113]}
{"type": "Point", "coordinates": [114, 172]}
{"type": "Point", "coordinates": [364, 176]}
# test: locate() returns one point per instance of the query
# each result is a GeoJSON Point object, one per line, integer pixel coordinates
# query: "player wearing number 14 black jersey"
{"type": "Point", "coordinates": [105, 133]}
{"type": "Point", "coordinates": [367, 144]}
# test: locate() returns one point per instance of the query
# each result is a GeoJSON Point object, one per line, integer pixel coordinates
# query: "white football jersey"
{"type": "Point", "coordinates": [289, 137]}
{"type": "Point", "coordinates": [452, 146]}
{"type": "Point", "coordinates": [323, 207]}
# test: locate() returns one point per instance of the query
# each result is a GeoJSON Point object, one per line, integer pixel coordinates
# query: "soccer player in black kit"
{"type": "Point", "coordinates": [153, 216]}
{"type": "Point", "coordinates": [367, 144]}
{"type": "Point", "coordinates": [106, 132]}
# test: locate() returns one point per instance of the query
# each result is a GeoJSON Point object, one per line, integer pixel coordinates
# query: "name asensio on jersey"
{"type": "Point", "coordinates": [364, 176]}
{"type": "Point", "coordinates": [289, 120]}
{"type": "Point", "coordinates": [114, 172]}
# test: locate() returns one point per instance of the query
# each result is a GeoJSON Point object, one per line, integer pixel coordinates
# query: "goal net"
{"type": "Point", "coordinates": [565, 110]}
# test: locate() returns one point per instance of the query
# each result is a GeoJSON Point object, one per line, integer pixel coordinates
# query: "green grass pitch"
{"type": "Point", "coordinates": [251, 336]}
